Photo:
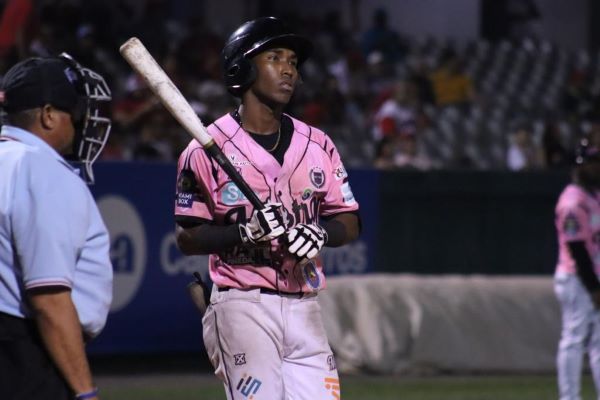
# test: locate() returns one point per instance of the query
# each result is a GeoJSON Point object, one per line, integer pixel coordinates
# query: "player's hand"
{"type": "Point", "coordinates": [264, 225]}
{"type": "Point", "coordinates": [306, 240]}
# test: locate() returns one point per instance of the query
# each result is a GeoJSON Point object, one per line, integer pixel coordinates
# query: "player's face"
{"type": "Point", "coordinates": [277, 75]}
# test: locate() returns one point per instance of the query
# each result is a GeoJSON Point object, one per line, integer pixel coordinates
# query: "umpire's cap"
{"type": "Point", "coordinates": [36, 82]}
{"type": "Point", "coordinates": [251, 38]}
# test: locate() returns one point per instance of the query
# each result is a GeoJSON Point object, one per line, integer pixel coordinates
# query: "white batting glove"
{"type": "Point", "coordinates": [264, 225]}
{"type": "Point", "coordinates": [306, 240]}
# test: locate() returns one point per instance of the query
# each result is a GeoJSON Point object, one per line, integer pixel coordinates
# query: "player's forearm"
{"type": "Point", "coordinates": [207, 239]}
{"type": "Point", "coordinates": [59, 327]}
{"type": "Point", "coordinates": [341, 229]}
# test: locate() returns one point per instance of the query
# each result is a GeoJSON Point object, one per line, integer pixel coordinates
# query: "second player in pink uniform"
{"type": "Point", "coordinates": [576, 280]}
{"type": "Point", "coordinates": [263, 329]}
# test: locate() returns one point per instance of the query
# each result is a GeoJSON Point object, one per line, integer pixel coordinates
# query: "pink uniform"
{"type": "Point", "coordinates": [311, 183]}
{"type": "Point", "coordinates": [577, 219]}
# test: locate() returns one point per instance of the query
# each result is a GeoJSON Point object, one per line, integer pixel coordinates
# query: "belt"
{"type": "Point", "coordinates": [297, 295]}
{"type": "Point", "coordinates": [13, 328]}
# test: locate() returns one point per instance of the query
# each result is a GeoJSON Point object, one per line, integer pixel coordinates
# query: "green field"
{"type": "Point", "coordinates": [190, 386]}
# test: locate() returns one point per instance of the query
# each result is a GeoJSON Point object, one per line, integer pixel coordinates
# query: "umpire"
{"type": "Point", "coordinates": [55, 270]}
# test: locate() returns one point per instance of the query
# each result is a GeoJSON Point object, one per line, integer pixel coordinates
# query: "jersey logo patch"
{"type": "Point", "coordinates": [231, 194]}
{"type": "Point", "coordinates": [340, 173]}
{"type": "Point", "coordinates": [239, 359]}
{"type": "Point", "coordinates": [571, 226]}
{"type": "Point", "coordinates": [306, 193]}
{"type": "Point", "coordinates": [187, 189]}
{"type": "Point", "coordinates": [238, 163]}
{"type": "Point", "coordinates": [311, 275]}
{"type": "Point", "coordinates": [317, 177]}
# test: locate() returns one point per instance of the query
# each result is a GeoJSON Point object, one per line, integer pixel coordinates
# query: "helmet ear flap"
{"type": "Point", "coordinates": [240, 76]}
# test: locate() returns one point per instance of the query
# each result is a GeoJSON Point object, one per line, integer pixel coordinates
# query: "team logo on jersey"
{"type": "Point", "coordinates": [238, 163]}
{"type": "Point", "coordinates": [248, 386]}
{"type": "Point", "coordinates": [340, 173]}
{"type": "Point", "coordinates": [317, 177]}
{"type": "Point", "coordinates": [571, 225]}
{"type": "Point", "coordinates": [306, 193]}
{"type": "Point", "coordinates": [231, 194]}
{"type": "Point", "coordinates": [311, 275]}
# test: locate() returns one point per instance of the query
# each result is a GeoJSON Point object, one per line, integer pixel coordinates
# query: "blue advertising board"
{"type": "Point", "coordinates": [151, 310]}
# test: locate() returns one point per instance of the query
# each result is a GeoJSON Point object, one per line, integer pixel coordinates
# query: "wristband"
{"type": "Point", "coordinates": [87, 395]}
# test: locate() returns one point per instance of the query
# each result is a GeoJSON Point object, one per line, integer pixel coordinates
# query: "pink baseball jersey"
{"type": "Point", "coordinates": [578, 219]}
{"type": "Point", "coordinates": [311, 183]}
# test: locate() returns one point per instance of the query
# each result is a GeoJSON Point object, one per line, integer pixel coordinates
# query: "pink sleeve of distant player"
{"type": "Point", "coordinates": [572, 220]}
{"type": "Point", "coordinates": [193, 196]}
{"type": "Point", "coordinates": [339, 197]}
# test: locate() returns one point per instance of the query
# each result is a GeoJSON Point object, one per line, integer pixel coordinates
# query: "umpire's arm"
{"type": "Point", "coordinates": [60, 330]}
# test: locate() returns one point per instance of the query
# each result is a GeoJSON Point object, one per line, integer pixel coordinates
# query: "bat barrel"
{"type": "Point", "coordinates": [145, 65]}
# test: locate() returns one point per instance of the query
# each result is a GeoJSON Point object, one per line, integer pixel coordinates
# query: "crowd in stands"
{"type": "Point", "coordinates": [387, 100]}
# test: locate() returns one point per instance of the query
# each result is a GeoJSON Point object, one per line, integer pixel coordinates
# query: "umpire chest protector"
{"type": "Point", "coordinates": [248, 40]}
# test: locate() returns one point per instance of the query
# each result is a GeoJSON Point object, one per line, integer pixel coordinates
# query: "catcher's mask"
{"type": "Point", "coordinates": [252, 38]}
{"type": "Point", "coordinates": [92, 126]}
{"type": "Point", "coordinates": [63, 83]}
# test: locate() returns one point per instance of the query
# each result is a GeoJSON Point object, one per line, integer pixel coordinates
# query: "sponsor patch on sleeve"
{"type": "Point", "coordinates": [340, 173]}
{"type": "Point", "coordinates": [347, 194]}
{"type": "Point", "coordinates": [187, 189]}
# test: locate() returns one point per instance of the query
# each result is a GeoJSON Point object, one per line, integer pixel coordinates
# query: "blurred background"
{"type": "Point", "coordinates": [457, 121]}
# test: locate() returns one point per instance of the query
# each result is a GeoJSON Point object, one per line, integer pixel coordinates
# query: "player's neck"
{"type": "Point", "coordinates": [260, 119]}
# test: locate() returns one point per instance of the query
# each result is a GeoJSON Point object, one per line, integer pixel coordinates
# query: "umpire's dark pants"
{"type": "Point", "coordinates": [26, 370]}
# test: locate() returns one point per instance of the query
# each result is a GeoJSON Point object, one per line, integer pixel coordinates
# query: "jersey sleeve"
{"type": "Point", "coordinates": [339, 197]}
{"type": "Point", "coordinates": [193, 196]}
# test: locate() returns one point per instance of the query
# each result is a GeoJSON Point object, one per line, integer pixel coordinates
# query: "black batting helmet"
{"type": "Point", "coordinates": [250, 39]}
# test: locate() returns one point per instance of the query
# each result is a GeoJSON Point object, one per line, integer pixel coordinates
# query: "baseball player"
{"type": "Point", "coordinates": [55, 271]}
{"type": "Point", "coordinates": [263, 329]}
{"type": "Point", "coordinates": [576, 281]}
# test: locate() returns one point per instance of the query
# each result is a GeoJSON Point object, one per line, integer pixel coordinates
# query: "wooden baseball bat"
{"type": "Point", "coordinates": [144, 64]}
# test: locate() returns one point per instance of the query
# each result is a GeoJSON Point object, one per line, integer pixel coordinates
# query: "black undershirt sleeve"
{"type": "Point", "coordinates": [584, 265]}
{"type": "Point", "coordinates": [210, 238]}
{"type": "Point", "coordinates": [336, 231]}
